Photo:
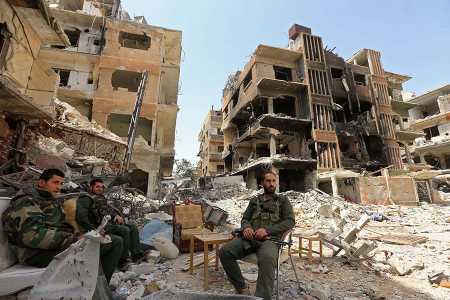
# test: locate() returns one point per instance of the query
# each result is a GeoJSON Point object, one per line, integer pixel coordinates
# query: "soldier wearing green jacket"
{"type": "Point", "coordinates": [267, 215]}
{"type": "Point", "coordinates": [92, 209]}
{"type": "Point", "coordinates": [36, 228]}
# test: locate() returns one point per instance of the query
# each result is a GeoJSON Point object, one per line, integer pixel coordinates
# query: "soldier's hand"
{"type": "Point", "coordinates": [102, 232]}
{"type": "Point", "coordinates": [119, 220]}
{"type": "Point", "coordinates": [261, 233]}
{"type": "Point", "coordinates": [248, 233]}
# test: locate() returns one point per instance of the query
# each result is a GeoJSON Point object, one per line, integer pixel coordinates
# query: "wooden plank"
{"type": "Point", "coordinates": [399, 239]}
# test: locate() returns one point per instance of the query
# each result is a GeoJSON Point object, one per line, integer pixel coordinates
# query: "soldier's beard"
{"type": "Point", "coordinates": [269, 190]}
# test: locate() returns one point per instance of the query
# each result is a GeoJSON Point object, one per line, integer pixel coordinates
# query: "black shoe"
{"type": "Point", "coordinates": [124, 264]}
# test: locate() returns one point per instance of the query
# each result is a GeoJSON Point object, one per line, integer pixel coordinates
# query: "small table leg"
{"type": "Point", "coordinates": [217, 256]}
{"type": "Point", "coordinates": [300, 247]}
{"type": "Point", "coordinates": [191, 254]}
{"type": "Point", "coordinates": [205, 266]}
{"type": "Point", "coordinates": [320, 249]}
{"type": "Point", "coordinates": [310, 245]}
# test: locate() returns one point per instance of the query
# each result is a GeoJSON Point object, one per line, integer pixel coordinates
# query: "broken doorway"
{"type": "Point", "coordinates": [292, 180]}
{"type": "Point", "coordinates": [284, 105]}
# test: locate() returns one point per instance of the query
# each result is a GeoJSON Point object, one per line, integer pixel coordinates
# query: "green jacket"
{"type": "Point", "coordinates": [275, 215]}
{"type": "Point", "coordinates": [35, 221]}
{"type": "Point", "coordinates": [91, 209]}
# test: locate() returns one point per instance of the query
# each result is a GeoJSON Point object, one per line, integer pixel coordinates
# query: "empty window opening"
{"type": "Point", "coordinates": [282, 73]}
{"type": "Point", "coordinates": [97, 42]}
{"type": "Point", "coordinates": [431, 132]}
{"type": "Point", "coordinates": [360, 79]}
{"type": "Point", "coordinates": [247, 80]}
{"type": "Point", "coordinates": [220, 169]}
{"type": "Point", "coordinates": [63, 77]}
{"type": "Point", "coordinates": [262, 150]}
{"type": "Point", "coordinates": [337, 73]}
{"type": "Point", "coordinates": [134, 41]}
{"type": "Point", "coordinates": [126, 80]}
{"type": "Point", "coordinates": [119, 123]}
{"type": "Point", "coordinates": [74, 36]}
{"type": "Point", "coordinates": [284, 105]}
{"type": "Point", "coordinates": [220, 149]}
{"type": "Point", "coordinates": [292, 180]}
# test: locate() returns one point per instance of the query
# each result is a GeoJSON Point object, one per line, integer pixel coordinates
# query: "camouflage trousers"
{"type": "Point", "coordinates": [130, 236]}
{"type": "Point", "coordinates": [267, 254]}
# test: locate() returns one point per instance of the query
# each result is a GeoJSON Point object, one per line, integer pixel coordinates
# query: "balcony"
{"type": "Point", "coordinates": [215, 156]}
{"type": "Point", "coordinates": [433, 120]}
{"type": "Point", "coordinates": [216, 137]}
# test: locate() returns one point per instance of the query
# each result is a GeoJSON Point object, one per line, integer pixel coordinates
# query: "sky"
{"type": "Point", "coordinates": [219, 37]}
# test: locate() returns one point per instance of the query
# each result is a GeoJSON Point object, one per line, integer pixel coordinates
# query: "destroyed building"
{"type": "Point", "coordinates": [431, 115]}
{"type": "Point", "coordinates": [211, 144]}
{"type": "Point", "coordinates": [304, 109]}
{"type": "Point", "coordinates": [100, 72]}
{"type": "Point", "coordinates": [26, 84]}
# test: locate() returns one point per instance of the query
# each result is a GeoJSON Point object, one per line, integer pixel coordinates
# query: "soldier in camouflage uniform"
{"type": "Point", "coordinates": [90, 212]}
{"type": "Point", "coordinates": [36, 228]}
{"type": "Point", "coordinates": [267, 215]}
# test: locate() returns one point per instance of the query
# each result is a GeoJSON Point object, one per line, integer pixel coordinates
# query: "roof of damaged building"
{"type": "Point", "coordinates": [431, 96]}
{"type": "Point", "coordinates": [14, 102]}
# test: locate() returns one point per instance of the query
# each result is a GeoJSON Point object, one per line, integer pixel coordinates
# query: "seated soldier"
{"type": "Point", "coordinates": [36, 228]}
{"type": "Point", "coordinates": [268, 215]}
{"type": "Point", "coordinates": [90, 211]}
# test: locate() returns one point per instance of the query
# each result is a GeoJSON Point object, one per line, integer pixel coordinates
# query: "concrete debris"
{"type": "Point", "coordinates": [140, 269]}
{"type": "Point", "coordinates": [69, 116]}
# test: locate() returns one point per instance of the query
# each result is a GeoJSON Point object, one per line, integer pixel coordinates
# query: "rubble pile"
{"type": "Point", "coordinates": [71, 117]}
{"type": "Point", "coordinates": [134, 205]}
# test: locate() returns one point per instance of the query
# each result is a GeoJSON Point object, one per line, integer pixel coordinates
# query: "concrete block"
{"type": "Point", "coordinates": [144, 268]}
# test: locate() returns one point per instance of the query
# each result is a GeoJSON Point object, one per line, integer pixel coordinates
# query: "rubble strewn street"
{"type": "Point", "coordinates": [403, 275]}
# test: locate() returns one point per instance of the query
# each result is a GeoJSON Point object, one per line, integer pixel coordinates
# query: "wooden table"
{"type": "Point", "coordinates": [309, 251]}
{"type": "Point", "coordinates": [207, 239]}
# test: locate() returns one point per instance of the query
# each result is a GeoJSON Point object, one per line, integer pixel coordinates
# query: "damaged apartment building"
{"type": "Point", "coordinates": [211, 145]}
{"type": "Point", "coordinates": [304, 110]}
{"type": "Point", "coordinates": [431, 115]}
{"type": "Point", "coordinates": [26, 84]}
{"type": "Point", "coordinates": [101, 70]}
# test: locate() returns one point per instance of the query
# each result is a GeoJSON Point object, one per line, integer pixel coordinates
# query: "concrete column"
{"type": "Point", "coordinates": [278, 178]}
{"type": "Point", "coordinates": [152, 184]}
{"type": "Point", "coordinates": [270, 105]}
{"type": "Point", "coordinates": [443, 161]}
{"type": "Point", "coordinates": [422, 158]}
{"type": "Point", "coordinates": [400, 121]}
{"type": "Point", "coordinates": [334, 186]}
{"type": "Point", "coordinates": [273, 146]}
{"type": "Point", "coordinates": [153, 137]}
{"type": "Point", "coordinates": [408, 154]}
{"type": "Point", "coordinates": [252, 182]}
